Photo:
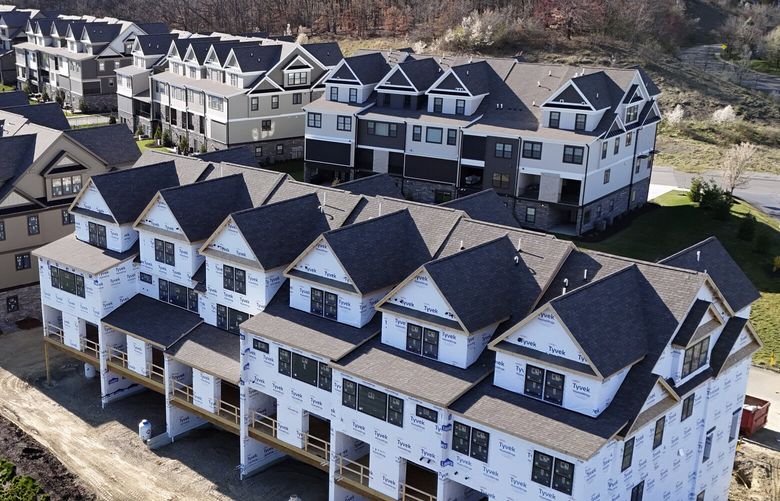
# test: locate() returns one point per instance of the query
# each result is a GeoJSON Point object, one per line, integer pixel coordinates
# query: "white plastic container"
{"type": "Point", "coordinates": [89, 371]}
{"type": "Point", "coordinates": [145, 430]}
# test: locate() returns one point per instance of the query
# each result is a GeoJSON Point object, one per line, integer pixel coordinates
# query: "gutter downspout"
{"type": "Point", "coordinates": [582, 195]}
{"type": "Point", "coordinates": [633, 168]}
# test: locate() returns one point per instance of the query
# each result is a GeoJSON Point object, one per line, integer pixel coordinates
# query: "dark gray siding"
{"type": "Point", "coordinates": [328, 152]}
{"type": "Point", "coordinates": [396, 101]}
{"type": "Point", "coordinates": [381, 141]}
{"type": "Point", "coordinates": [473, 147]}
{"type": "Point", "coordinates": [395, 163]}
{"type": "Point", "coordinates": [364, 159]}
{"type": "Point", "coordinates": [501, 165]}
{"type": "Point", "coordinates": [431, 169]}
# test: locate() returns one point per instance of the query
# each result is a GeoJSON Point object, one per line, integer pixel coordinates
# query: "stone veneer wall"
{"type": "Point", "coordinates": [29, 297]}
{"type": "Point", "coordinates": [425, 191]}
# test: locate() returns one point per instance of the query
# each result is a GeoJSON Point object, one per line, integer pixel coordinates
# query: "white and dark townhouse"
{"type": "Point", "coordinates": [43, 167]}
{"type": "Point", "coordinates": [73, 58]}
{"type": "Point", "coordinates": [12, 31]}
{"type": "Point", "coordinates": [571, 148]}
{"type": "Point", "coordinates": [240, 91]}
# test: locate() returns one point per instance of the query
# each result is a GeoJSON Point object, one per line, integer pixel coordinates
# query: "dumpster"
{"type": "Point", "coordinates": [754, 415]}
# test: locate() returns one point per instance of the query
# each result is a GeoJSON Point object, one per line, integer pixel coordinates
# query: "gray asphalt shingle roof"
{"type": "Point", "coordinates": [376, 185]}
{"type": "Point", "coordinates": [691, 322]}
{"type": "Point", "coordinates": [114, 144]}
{"type": "Point", "coordinates": [253, 58]}
{"type": "Point", "coordinates": [485, 205]}
{"type": "Point", "coordinates": [327, 53]}
{"type": "Point", "coordinates": [709, 255]}
{"type": "Point", "coordinates": [127, 204]}
{"type": "Point", "coordinates": [240, 155]}
{"type": "Point", "coordinates": [154, 321]}
{"type": "Point", "coordinates": [151, 45]}
{"type": "Point", "coordinates": [211, 350]}
{"type": "Point", "coordinates": [45, 114]}
{"type": "Point", "coordinates": [13, 98]}
{"type": "Point", "coordinates": [368, 68]}
{"type": "Point", "coordinates": [379, 252]}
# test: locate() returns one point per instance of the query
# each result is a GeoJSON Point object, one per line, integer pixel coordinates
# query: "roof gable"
{"type": "Point", "coordinates": [568, 95]}
{"type": "Point", "coordinates": [320, 261]}
{"type": "Point", "coordinates": [159, 215]}
{"type": "Point", "coordinates": [396, 78]}
{"type": "Point", "coordinates": [449, 83]}
{"type": "Point", "coordinates": [228, 239]}
{"type": "Point", "coordinates": [421, 294]}
{"type": "Point", "coordinates": [343, 72]}
{"type": "Point", "coordinates": [90, 199]}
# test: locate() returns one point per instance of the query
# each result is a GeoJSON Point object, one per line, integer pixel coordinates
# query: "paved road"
{"type": "Point", "coordinates": [762, 190]}
{"type": "Point", "coordinates": [765, 384]}
{"type": "Point", "coordinates": [706, 58]}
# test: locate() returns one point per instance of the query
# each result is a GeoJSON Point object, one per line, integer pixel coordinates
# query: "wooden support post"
{"type": "Point", "coordinates": [46, 362]}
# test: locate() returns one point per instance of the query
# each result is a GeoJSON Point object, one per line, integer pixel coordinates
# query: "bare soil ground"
{"type": "Point", "coordinates": [756, 475]}
{"type": "Point", "coordinates": [101, 446]}
{"type": "Point", "coordinates": [34, 460]}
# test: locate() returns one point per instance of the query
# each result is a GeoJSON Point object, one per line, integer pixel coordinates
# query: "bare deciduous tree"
{"type": "Point", "coordinates": [736, 165]}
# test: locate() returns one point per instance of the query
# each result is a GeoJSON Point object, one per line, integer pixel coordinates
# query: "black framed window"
{"type": "Point", "coordinates": [222, 317]}
{"type": "Point", "coordinates": [67, 217]}
{"type": "Point", "coordinates": [234, 279]}
{"type": "Point", "coordinates": [460, 106]}
{"type": "Point", "coordinates": [573, 154]}
{"type": "Point", "coordinates": [632, 113]}
{"type": "Point", "coordinates": [553, 387]}
{"type": "Point", "coordinates": [638, 491]}
{"type": "Point", "coordinates": [417, 133]}
{"type": "Point", "coordinates": [334, 93]}
{"type": "Point", "coordinates": [422, 341]}
{"type": "Point", "coordinates": [279, 149]}
{"type": "Point", "coordinates": [629, 138]}
{"type": "Point", "coordinates": [708, 445]}
{"type": "Point", "coordinates": [696, 357]}
{"type": "Point", "coordinates": [343, 123]}
{"type": "Point", "coordinates": [604, 149]}
{"type": "Point", "coordinates": [461, 437]}
{"type": "Point", "coordinates": [12, 304]}
{"type": "Point", "coordinates": [324, 304]}
{"type": "Point", "coordinates": [254, 104]}
{"type": "Point", "coordinates": [297, 98]}
{"type": "Point", "coordinates": [349, 394]}
{"type": "Point", "coordinates": [532, 149]}
{"type": "Point", "coordinates": [352, 95]}
{"type": "Point", "coordinates": [260, 345]}
{"type": "Point", "coordinates": [426, 413]}
{"type": "Point", "coordinates": [177, 295]}
{"type": "Point", "coordinates": [97, 235]}
{"type": "Point", "coordinates": [579, 121]}
{"type": "Point", "coordinates": [470, 441]}
{"type": "Point", "coordinates": [372, 402]}
{"type": "Point", "coordinates": [658, 434]}
{"type": "Point", "coordinates": [325, 377]}
{"type": "Point", "coordinates": [687, 407]}
{"type": "Point", "coordinates": [164, 252]}
{"type": "Point", "coordinates": [314, 120]}
{"type": "Point", "coordinates": [33, 225]}
{"type": "Point", "coordinates": [331, 306]}
{"type": "Point", "coordinates": [503, 150]}
{"type": "Point", "coordinates": [555, 119]}
{"type": "Point", "coordinates": [628, 454]}
{"type": "Point", "coordinates": [433, 135]}
{"type": "Point", "coordinates": [304, 369]}
{"type": "Point", "coordinates": [55, 277]}
{"type": "Point", "coordinates": [227, 277]}
{"type": "Point", "coordinates": [500, 180]}
{"type": "Point", "coordinates": [235, 319]}
{"type": "Point", "coordinates": [480, 440]}
{"type": "Point", "coordinates": [2, 230]}
{"type": "Point", "coordinates": [541, 470]}
{"type": "Point", "coordinates": [67, 281]}
{"type": "Point", "coordinates": [192, 300]}
{"type": "Point", "coordinates": [162, 286]}
{"type": "Point", "coordinates": [700, 496]}
{"type": "Point", "coordinates": [395, 411]}
{"type": "Point", "coordinates": [316, 301]}
{"type": "Point", "coordinates": [430, 343]}
{"type": "Point", "coordinates": [563, 476]}
{"type": "Point", "coordinates": [23, 261]}
{"type": "Point", "coordinates": [285, 362]}
{"type": "Point", "coordinates": [534, 381]}
{"type": "Point", "coordinates": [145, 277]}
{"type": "Point", "coordinates": [452, 137]}
{"type": "Point", "coordinates": [413, 338]}
{"type": "Point", "coordinates": [274, 102]}
{"type": "Point", "coordinates": [438, 104]}
{"type": "Point", "coordinates": [265, 125]}
{"type": "Point", "coordinates": [734, 428]}
{"type": "Point", "coordinates": [607, 174]}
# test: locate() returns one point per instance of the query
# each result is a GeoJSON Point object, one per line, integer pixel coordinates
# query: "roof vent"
{"type": "Point", "coordinates": [467, 72]}
{"type": "Point", "coordinates": [549, 73]}
{"type": "Point", "coordinates": [538, 83]}
{"type": "Point", "coordinates": [564, 291]}
{"type": "Point", "coordinates": [585, 275]}
{"type": "Point", "coordinates": [565, 282]}
{"type": "Point", "coordinates": [533, 103]}
{"type": "Point", "coordinates": [519, 242]}
{"type": "Point", "coordinates": [517, 259]}
{"type": "Point", "coordinates": [461, 245]}
{"type": "Point", "coordinates": [698, 256]}
{"type": "Point", "coordinates": [380, 207]}
{"type": "Point", "coordinates": [597, 95]}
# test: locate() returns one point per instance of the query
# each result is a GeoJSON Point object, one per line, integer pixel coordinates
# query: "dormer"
{"type": "Point", "coordinates": [344, 273]}
{"type": "Point", "coordinates": [298, 73]}
{"type": "Point", "coordinates": [432, 315]}
{"type": "Point", "coordinates": [245, 261]}
{"type": "Point", "coordinates": [459, 90]}
{"type": "Point", "coordinates": [569, 108]}
{"type": "Point", "coordinates": [177, 221]}
{"type": "Point", "coordinates": [574, 351]}
{"type": "Point", "coordinates": [105, 211]}
{"type": "Point", "coordinates": [354, 78]}
{"type": "Point", "coordinates": [405, 84]}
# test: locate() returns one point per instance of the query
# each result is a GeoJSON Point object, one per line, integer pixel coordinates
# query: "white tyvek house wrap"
{"type": "Point", "coordinates": [160, 216]}
{"type": "Point", "coordinates": [546, 334]}
{"type": "Point", "coordinates": [186, 262]}
{"type": "Point", "coordinates": [73, 329]}
{"type": "Point", "coordinates": [353, 309]}
{"type": "Point", "coordinates": [255, 454]}
{"type": "Point", "coordinates": [321, 261]}
{"type": "Point", "coordinates": [118, 238]}
{"type": "Point", "coordinates": [260, 287]}
{"type": "Point", "coordinates": [230, 241]}
{"type": "Point", "coordinates": [92, 200]}
{"type": "Point", "coordinates": [421, 295]}
{"type": "Point", "coordinates": [113, 386]}
{"type": "Point", "coordinates": [139, 356]}
{"type": "Point", "coordinates": [178, 420]}
{"type": "Point", "coordinates": [206, 390]}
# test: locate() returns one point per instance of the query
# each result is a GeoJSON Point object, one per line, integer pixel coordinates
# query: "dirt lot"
{"type": "Point", "coordinates": [101, 446]}
{"type": "Point", "coordinates": [756, 474]}
{"type": "Point", "coordinates": [36, 461]}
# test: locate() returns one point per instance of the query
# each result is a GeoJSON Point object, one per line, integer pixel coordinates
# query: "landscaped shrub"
{"type": "Point", "coordinates": [712, 196]}
{"type": "Point", "coordinates": [203, 148]}
{"type": "Point", "coordinates": [45, 97]}
{"type": "Point", "coordinates": [112, 120]}
{"type": "Point", "coordinates": [762, 242]}
{"type": "Point", "coordinates": [183, 145]}
{"type": "Point", "coordinates": [747, 228]}
{"type": "Point", "coordinates": [697, 185]}
{"type": "Point", "coordinates": [83, 106]}
{"type": "Point", "coordinates": [724, 115]}
{"type": "Point", "coordinates": [776, 264]}
{"type": "Point", "coordinates": [166, 138]}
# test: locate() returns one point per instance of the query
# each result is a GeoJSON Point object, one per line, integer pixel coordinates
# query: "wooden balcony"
{"type": "Point", "coordinates": [227, 417]}
{"type": "Point", "coordinates": [316, 452]}
{"type": "Point", "coordinates": [409, 493]}
{"type": "Point", "coordinates": [117, 362]}
{"type": "Point", "coordinates": [90, 350]}
{"type": "Point", "coordinates": [354, 475]}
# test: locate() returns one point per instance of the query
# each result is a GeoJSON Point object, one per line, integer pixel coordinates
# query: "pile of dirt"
{"type": "Point", "coordinates": [34, 460]}
{"type": "Point", "coordinates": [756, 474]}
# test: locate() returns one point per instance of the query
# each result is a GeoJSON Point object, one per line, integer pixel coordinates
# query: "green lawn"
{"type": "Point", "coordinates": [292, 167]}
{"type": "Point", "coordinates": [148, 144]}
{"type": "Point", "coordinates": [765, 67]}
{"type": "Point", "coordinates": [6, 88]}
{"type": "Point", "coordinates": [679, 223]}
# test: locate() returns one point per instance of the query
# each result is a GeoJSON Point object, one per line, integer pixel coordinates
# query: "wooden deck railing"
{"type": "Point", "coordinates": [409, 493]}
{"type": "Point", "coordinates": [229, 411]}
{"type": "Point", "coordinates": [181, 390]}
{"type": "Point", "coordinates": [264, 424]}
{"type": "Point", "coordinates": [54, 332]}
{"type": "Point", "coordinates": [157, 373]}
{"type": "Point", "coordinates": [352, 470]}
{"type": "Point", "coordinates": [316, 446]}
{"type": "Point", "coordinates": [117, 356]}
{"type": "Point", "coordinates": [90, 347]}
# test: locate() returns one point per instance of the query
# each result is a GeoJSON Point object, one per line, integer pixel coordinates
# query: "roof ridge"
{"type": "Point", "coordinates": [512, 228]}
{"type": "Point", "coordinates": [643, 262]}
{"type": "Point", "coordinates": [711, 238]}
{"type": "Point", "coordinates": [594, 282]}
{"type": "Point", "coordinates": [297, 199]}
{"type": "Point", "coordinates": [369, 220]}
{"type": "Point", "coordinates": [418, 204]}
{"type": "Point", "coordinates": [463, 251]}
{"type": "Point", "coordinates": [199, 183]}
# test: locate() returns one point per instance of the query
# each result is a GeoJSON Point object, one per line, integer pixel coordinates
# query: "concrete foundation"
{"type": "Point", "coordinates": [28, 302]}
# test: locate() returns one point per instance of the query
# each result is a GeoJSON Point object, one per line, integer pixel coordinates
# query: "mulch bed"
{"type": "Point", "coordinates": [34, 460]}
